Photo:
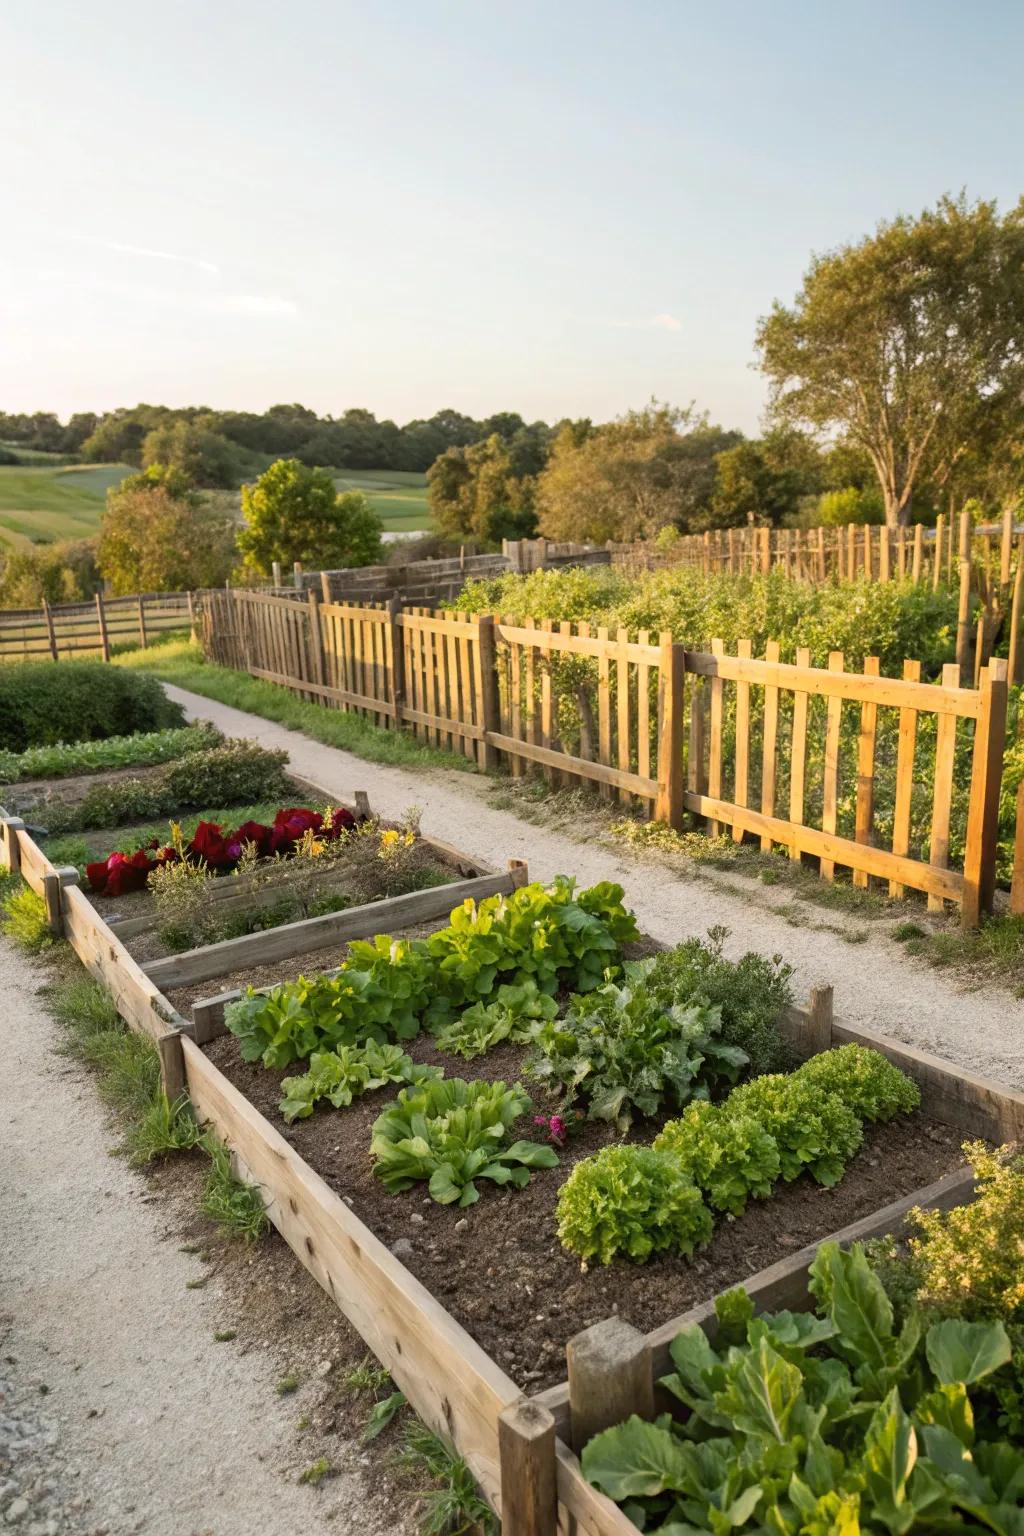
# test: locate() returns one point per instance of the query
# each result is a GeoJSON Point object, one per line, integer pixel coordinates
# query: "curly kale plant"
{"type": "Point", "coordinates": [627, 1053]}
{"type": "Point", "coordinates": [633, 1201]}
{"type": "Point", "coordinates": [451, 1133]}
{"type": "Point", "coordinates": [346, 1074]}
{"type": "Point", "coordinates": [822, 1424]}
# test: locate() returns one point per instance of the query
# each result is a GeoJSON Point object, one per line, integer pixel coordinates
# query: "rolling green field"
{"type": "Point", "coordinates": [398, 496]}
{"type": "Point", "coordinates": [45, 503]}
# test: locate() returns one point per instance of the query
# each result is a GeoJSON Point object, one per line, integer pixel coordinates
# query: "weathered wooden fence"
{"type": "Point", "coordinates": [893, 778]}
{"type": "Point", "coordinates": [67, 629]}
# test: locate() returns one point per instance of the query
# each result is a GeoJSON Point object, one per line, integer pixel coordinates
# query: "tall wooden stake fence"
{"type": "Point", "coordinates": [754, 746]}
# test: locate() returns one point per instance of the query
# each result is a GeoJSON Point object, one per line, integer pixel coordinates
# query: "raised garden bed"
{"type": "Point", "coordinates": [451, 1381]}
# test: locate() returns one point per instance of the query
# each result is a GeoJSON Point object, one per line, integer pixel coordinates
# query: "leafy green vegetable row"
{"type": "Point", "coordinates": [638, 1200]}
{"type": "Point", "coordinates": [142, 749]}
{"type": "Point", "coordinates": [823, 1424]}
{"type": "Point", "coordinates": [388, 989]}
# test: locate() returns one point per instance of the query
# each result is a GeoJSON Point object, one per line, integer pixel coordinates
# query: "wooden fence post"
{"type": "Point", "coordinates": [51, 633]}
{"type": "Point", "coordinates": [12, 825]}
{"type": "Point", "coordinates": [821, 1012]}
{"type": "Point", "coordinates": [937, 567]}
{"type": "Point", "coordinates": [191, 615]}
{"type": "Point", "coordinates": [325, 586]}
{"type": "Point", "coordinates": [101, 620]}
{"type": "Point", "coordinates": [526, 1451]}
{"type": "Point", "coordinates": [142, 622]}
{"type": "Point", "coordinates": [397, 659]}
{"type": "Point", "coordinates": [297, 575]}
{"type": "Point", "coordinates": [983, 812]}
{"type": "Point", "coordinates": [671, 681]}
{"type": "Point", "coordinates": [963, 621]}
{"type": "Point", "coordinates": [1016, 661]}
{"type": "Point", "coordinates": [1006, 547]}
{"type": "Point", "coordinates": [275, 573]}
{"type": "Point", "coordinates": [610, 1377]}
{"type": "Point", "coordinates": [51, 900]}
{"type": "Point", "coordinates": [488, 705]}
{"type": "Point", "coordinates": [1017, 887]}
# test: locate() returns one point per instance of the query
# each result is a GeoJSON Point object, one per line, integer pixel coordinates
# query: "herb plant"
{"type": "Point", "coordinates": [451, 1132]}
{"type": "Point", "coordinates": [628, 1053]}
{"type": "Point", "coordinates": [346, 1074]}
{"type": "Point", "coordinates": [630, 1200]}
{"type": "Point", "coordinates": [821, 1424]}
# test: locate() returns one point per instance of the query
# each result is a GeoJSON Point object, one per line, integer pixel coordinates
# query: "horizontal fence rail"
{"type": "Point", "coordinates": [68, 629]}
{"type": "Point", "coordinates": [852, 769]}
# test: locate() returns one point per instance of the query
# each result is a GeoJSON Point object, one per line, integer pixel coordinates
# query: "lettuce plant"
{"type": "Point", "coordinates": [451, 1132]}
{"type": "Point", "coordinates": [821, 1424]}
{"type": "Point", "coordinates": [626, 1053]}
{"type": "Point", "coordinates": [865, 1080]}
{"type": "Point", "coordinates": [630, 1200]}
{"type": "Point", "coordinates": [814, 1131]}
{"type": "Point", "coordinates": [731, 1158]}
{"type": "Point", "coordinates": [346, 1074]}
{"type": "Point", "coordinates": [514, 1015]}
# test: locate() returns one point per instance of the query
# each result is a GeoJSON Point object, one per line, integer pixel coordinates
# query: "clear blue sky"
{"type": "Point", "coordinates": [557, 208]}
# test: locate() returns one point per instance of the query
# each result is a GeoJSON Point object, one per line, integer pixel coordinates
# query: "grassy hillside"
{"type": "Point", "coordinates": [398, 496]}
{"type": "Point", "coordinates": [43, 504]}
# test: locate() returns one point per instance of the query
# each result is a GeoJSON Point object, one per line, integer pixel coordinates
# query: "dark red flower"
{"type": "Point", "coordinates": [210, 845]}
{"type": "Point", "coordinates": [342, 821]}
{"type": "Point", "coordinates": [254, 832]}
{"type": "Point", "coordinates": [97, 875]}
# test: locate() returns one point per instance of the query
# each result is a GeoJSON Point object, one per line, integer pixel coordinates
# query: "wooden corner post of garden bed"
{"type": "Point", "coordinates": [610, 1378]}
{"type": "Point", "coordinates": [529, 1481]}
{"type": "Point", "coordinates": [986, 780]}
{"type": "Point", "coordinates": [12, 827]}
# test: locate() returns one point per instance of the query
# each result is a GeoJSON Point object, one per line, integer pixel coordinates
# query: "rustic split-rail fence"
{"type": "Point", "coordinates": [92, 627]}
{"type": "Point", "coordinates": [523, 1450]}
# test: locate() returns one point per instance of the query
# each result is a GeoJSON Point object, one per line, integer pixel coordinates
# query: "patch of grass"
{"type": "Point", "coordinates": [236, 1207]}
{"type": "Point", "coordinates": [287, 1385]}
{"type": "Point", "coordinates": [225, 1335]}
{"type": "Point", "coordinates": [127, 1069]}
{"type": "Point", "coordinates": [996, 949]}
{"type": "Point", "coordinates": [315, 1473]}
{"type": "Point", "coordinates": [368, 1376]}
{"type": "Point", "coordinates": [197, 1285]}
{"type": "Point", "coordinates": [856, 935]}
{"type": "Point", "coordinates": [655, 837]}
{"type": "Point", "coordinates": [452, 1503]}
{"type": "Point", "coordinates": [49, 502]}
{"type": "Point", "coordinates": [24, 920]}
{"type": "Point", "coordinates": [904, 931]}
{"type": "Point", "coordinates": [182, 663]}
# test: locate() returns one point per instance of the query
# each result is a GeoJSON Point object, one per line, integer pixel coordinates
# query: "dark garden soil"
{"type": "Point", "coordinates": [498, 1266]}
{"type": "Point", "coordinates": [35, 795]}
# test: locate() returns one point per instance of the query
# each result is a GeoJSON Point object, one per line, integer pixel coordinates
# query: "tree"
{"type": "Point", "coordinates": [294, 512]}
{"type": "Point", "coordinates": [631, 477]}
{"type": "Point", "coordinates": [205, 458]}
{"type": "Point", "coordinates": [60, 573]}
{"type": "Point", "coordinates": [485, 492]}
{"type": "Point", "coordinates": [765, 481]}
{"type": "Point", "coordinates": [906, 342]}
{"type": "Point", "coordinates": [159, 535]}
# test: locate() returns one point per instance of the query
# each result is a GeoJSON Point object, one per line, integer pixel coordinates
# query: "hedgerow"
{"type": "Point", "coordinates": [43, 703]}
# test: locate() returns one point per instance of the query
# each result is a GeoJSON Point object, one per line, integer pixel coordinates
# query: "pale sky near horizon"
{"type": "Point", "coordinates": [559, 209]}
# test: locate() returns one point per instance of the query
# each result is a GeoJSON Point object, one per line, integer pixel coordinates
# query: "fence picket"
{"type": "Point", "coordinates": [830, 790]}
{"type": "Point", "coordinates": [798, 754]}
{"type": "Point", "coordinates": [865, 824]}
{"type": "Point", "coordinates": [770, 742]}
{"type": "Point", "coordinates": [942, 798]}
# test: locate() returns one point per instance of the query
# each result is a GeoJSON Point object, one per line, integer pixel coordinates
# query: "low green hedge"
{"type": "Point", "coordinates": [45, 702]}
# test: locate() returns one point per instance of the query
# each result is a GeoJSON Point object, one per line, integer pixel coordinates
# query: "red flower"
{"type": "Point", "coordinates": [255, 832]}
{"type": "Point", "coordinates": [341, 821]}
{"type": "Point", "coordinates": [97, 875]}
{"type": "Point", "coordinates": [210, 845]}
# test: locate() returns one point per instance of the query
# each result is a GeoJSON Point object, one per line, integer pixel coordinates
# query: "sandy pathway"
{"type": "Point", "coordinates": [875, 984]}
{"type": "Point", "coordinates": [143, 1423]}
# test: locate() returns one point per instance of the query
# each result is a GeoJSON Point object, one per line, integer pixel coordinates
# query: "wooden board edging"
{"type": "Point", "coordinates": [451, 1382]}
{"type": "Point", "coordinates": [139, 1002]}
{"type": "Point", "coordinates": [311, 933]}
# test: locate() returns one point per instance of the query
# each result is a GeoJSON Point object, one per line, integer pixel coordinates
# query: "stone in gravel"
{"type": "Point", "coordinates": [403, 1249]}
{"type": "Point", "coordinates": [462, 1224]}
{"type": "Point", "coordinates": [16, 1510]}
{"type": "Point", "coordinates": [416, 1218]}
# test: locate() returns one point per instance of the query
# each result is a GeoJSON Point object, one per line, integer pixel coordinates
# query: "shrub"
{"type": "Point", "coordinates": [731, 1158]}
{"type": "Point", "coordinates": [43, 703]}
{"type": "Point", "coordinates": [24, 920]}
{"type": "Point", "coordinates": [865, 1081]}
{"type": "Point", "coordinates": [630, 1200]}
{"type": "Point", "coordinates": [236, 772]}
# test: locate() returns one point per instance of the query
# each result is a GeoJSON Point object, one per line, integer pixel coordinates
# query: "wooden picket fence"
{"type": "Point", "coordinates": [755, 747]}
{"type": "Point", "coordinates": [69, 629]}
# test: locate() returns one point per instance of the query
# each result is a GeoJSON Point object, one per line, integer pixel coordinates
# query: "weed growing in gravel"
{"type": "Point", "coordinates": [24, 920]}
{"type": "Point", "coordinates": [236, 1207]}
{"type": "Point", "coordinates": [996, 948]}
{"type": "Point", "coordinates": [367, 1376]}
{"type": "Point", "coordinates": [162, 1129]}
{"type": "Point", "coordinates": [453, 1503]}
{"type": "Point", "coordinates": [287, 1385]}
{"type": "Point", "coordinates": [904, 931]}
{"type": "Point", "coordinates": [225, 1335]}
{"type": "Point", "coordinates": [317, 1471]}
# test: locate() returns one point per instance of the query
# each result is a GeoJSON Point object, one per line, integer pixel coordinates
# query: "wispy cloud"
{"type": "Point", "coordinates": [666, 323]}
{"type": "Point", "coordinates": [148, 252]}
{"type": "Point", "coordinates": [256, 304]}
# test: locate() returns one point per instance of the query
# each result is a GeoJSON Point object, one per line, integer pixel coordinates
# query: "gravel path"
{"type": "Point", "coordinates": [118, 1411]}
{"type": "Point", "coordinates": [876, 985]}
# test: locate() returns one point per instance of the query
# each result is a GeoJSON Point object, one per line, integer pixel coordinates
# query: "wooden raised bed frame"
{"type": "Point", "coordinates": [518, 1447]}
